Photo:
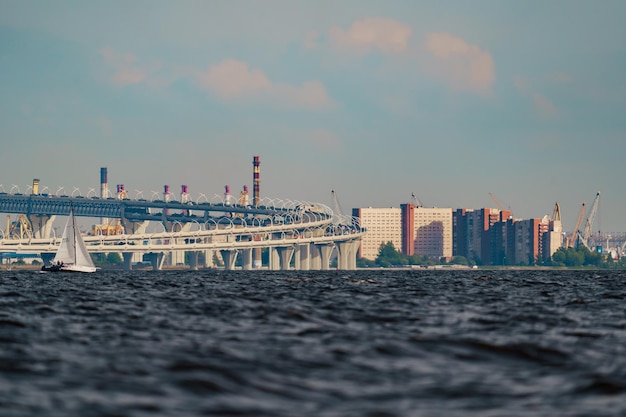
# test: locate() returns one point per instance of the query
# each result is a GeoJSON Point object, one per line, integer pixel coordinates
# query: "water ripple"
{"type": "Point", "coordinates": [285, 343]}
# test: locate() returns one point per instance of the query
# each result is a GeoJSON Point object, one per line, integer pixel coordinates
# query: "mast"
{"type": "Point", "coordinates": [74, 233]}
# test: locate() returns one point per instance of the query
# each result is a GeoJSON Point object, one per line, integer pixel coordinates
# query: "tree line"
{"type": "Point", "coordinates": [389, 256]}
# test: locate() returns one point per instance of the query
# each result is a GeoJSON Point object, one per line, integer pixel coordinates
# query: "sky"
{"type": "Point", "coordinates": [376, 100]}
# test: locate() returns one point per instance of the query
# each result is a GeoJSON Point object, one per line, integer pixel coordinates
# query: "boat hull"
{"type": "Point", "coordinates": [68, 268]}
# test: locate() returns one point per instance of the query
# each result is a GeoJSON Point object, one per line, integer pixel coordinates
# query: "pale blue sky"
{"type": "Point", "coordinates": [450, 100]}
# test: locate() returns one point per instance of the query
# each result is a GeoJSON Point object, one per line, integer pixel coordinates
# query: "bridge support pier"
{"type": "Point", "coordinates": [128, 260]}
{"type": "Point", "coordinates": [302, 260]}
{"type": "Point", "coordinates": [230, 257]}
{"type": "Point", "coordinates": [156, 259]}
{"type": "Point", "coordinates": [325, 250]}
{"type": "Point", "coordinates": [284, 255]}
{"type": "Point", "coordinates": [274, 259]}
{"type": "Point", "coordinates": [247, 258]}
{"type": "Point", "coordinates": [346, 254]}
{"type": "Point", "coordinates": [193, 260]}
{"type": "Point", "coordinates": [47, 257]}
{"type": "Point", "coordinates": [42, 225]}
{"type": "Point", "coordinates": [315, 260]}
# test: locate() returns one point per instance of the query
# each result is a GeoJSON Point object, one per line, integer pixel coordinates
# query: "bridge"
{"type": "Point", "coordinates": [299, 235]}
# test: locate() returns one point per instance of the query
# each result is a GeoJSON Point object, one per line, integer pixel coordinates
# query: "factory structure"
{"type": "Point", "coordinates": [109, 227]}
{"type": "Point", "coordinates": [487, 236]}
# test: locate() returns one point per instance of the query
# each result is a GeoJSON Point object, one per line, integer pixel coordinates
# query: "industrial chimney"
{"type": "Point", "coordinates": [184, 194]}
{"type": "Point", "coordinates": [243, 196]}
{"type": "Point", "coordinates": [256, 182]}
{"type": "Point", "coordinates": [256, 202]}
{"type": "Point", "coordinates": [35, 186]}
{"type": "Point", "coordinates": [227, 195]}
{"type": "Point", "coordinates": [121, 192]}
{"type": "Point", "coordinates": [104, 188]}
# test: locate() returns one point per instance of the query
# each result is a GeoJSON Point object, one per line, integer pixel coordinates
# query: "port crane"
{"type": "Point", "coordinates": [556, 213]}
{"type": "Point", "coordinates": [571, 239]}
{"type": "Point", "coordinates": [585, 233]}
{"type": "Point", "coordinates": [417, 201]}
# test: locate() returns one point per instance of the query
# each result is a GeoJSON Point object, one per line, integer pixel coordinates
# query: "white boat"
{"type": "Point", "coordinates": [72, 255]}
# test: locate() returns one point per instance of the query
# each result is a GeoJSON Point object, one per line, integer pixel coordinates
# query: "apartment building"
{"type": "Point", "coordinates": [486, 236]}
{"type": "Point", "coordinates": [433, 232]}
{"type": "Point", "coordinates": [383, 225]}
{"type": "Point", "coordinates": [473, 237]}
{"type": "Point", "coordinates": [412, 230]}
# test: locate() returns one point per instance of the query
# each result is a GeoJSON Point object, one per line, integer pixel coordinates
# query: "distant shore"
{"type": "Point", "coordinates": [15, 267]}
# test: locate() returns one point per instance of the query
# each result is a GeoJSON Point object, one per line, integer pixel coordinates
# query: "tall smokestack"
{"type": "Point", "coordinates": [184, 194]}
{"type": "Point", "coordinates": [104, 187]}
{"type": "Point", "coordinates": [35, 186]}
{"type": "Point", "coordinates": [121, 192]}
{"type": "Point", "coordinates": [256, 182]}
{"type": "Point", "coordinates": [227, 195]}
{"type": "Point", "coordinates": [166, 197]}
{"type": "Point", "coordinates": [243, 197]}
{"type": "Point", "coordinates": [257, 262]}
{"type": "Point", "coordinates": [184, 197]}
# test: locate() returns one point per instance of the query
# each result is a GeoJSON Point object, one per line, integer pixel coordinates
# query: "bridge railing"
{"type": "Point", "coordinates": [319, 230]}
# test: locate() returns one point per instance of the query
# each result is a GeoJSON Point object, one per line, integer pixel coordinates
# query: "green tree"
{"type": "Point", "coordinates": [99, 258]}
{"type": "Point", "coordinates": [459, 260]}
{"type": "Point", "coordinates": [365, 263]}
{"type": "Point", "coordinates": [114, 258]}
{"type": "Point", "coordinates": [575, 257]}
{"type": "Point", "coordinates": [388, 256]}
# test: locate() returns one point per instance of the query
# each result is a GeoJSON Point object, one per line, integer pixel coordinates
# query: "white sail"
{"type": "Point", "coordinates": [72, 252]}
{"type": "Point", "coordinates": [67, 249]}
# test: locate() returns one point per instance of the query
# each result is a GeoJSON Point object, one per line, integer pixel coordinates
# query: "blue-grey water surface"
{"type": "Point", "coordinates": [376, 343]}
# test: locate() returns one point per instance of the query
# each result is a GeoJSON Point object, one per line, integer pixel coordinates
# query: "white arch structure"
{"type": "Point", "coordinates": [292, 225]}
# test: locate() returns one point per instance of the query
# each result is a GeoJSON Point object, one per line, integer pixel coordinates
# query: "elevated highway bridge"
{"type": "Point", "coordinates": [298, 235]}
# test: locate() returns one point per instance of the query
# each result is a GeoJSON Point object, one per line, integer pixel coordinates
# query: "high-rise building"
{"type": "Point", "coordinates": [486, 236]}
{"type": "Point", "coordinates": [383, 225]}
{"type": "Point", "coordinates": [412, 230]}
{"type": "Point", "coordinates": [433, 232]}
{"type": "Point", "coordinates": [552, 239]}
{"type": "Point", "coordinates": [473, 238]}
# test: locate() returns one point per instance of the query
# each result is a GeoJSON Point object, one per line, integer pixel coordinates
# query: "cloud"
{"type": "Point", "coordinates": [459, 64]}
{"type": "Point", "coordinates": [126, 72]}
{"type": "Point", "coordinates": [235, 80]}
{"type": "Point", "coordinates": [386, 35]}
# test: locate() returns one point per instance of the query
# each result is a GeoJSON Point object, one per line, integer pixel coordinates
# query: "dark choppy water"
{"type": "Point", "coordinates": [366, 343]}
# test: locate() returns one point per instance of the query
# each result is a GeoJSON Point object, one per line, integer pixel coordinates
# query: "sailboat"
{"type": "Point", "coordinates": [72, 255]}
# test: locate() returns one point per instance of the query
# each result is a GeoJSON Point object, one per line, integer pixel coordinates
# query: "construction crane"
{"type": "Point", "coordinates": [571, 239]}
{"type": "Point", "coordinates": [556, 213]}
{"type": "Point", "coordinates": [587, 230]}
{"type": "Point", "coordinates": [418, 203]}
{"type": "Point", "coordinates": [20, 228]}
{"type": "Point", "coordinates": [499, 204]}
